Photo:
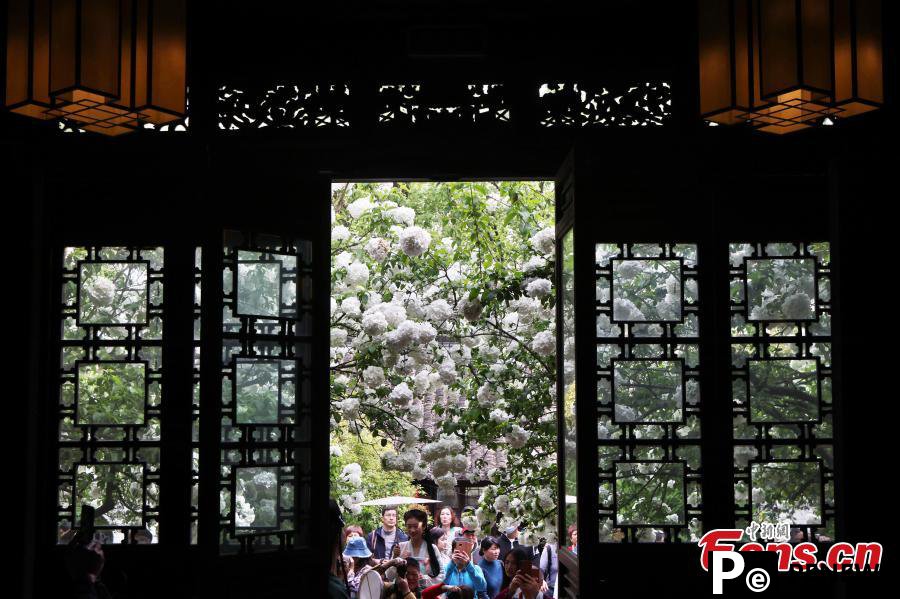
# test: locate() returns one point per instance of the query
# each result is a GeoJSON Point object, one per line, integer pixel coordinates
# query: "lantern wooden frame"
{"type": "Point", "coordinates": [783, 65]}
{"type": "Point", "coordinates": [108, 65]}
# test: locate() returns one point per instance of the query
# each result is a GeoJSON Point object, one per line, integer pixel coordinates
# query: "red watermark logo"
{"type": "Point", "coordinates": [722, 544]}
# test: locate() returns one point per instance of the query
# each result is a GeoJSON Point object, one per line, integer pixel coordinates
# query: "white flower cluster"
{"type": "Point", "coordinates": [414, 241]}
{"type": "Point", "coordinates": [378, 249]}
{"type": "Point", "coordinates": [402, 215]}
{"type": "Point", "coordinates": [401, 395]}
{"type": "Point", "coordinates": [350, 407]}
{"type": "Point", "coordinates": [373, 376]}
{"type": "Point", "coordinates": [544, 240]}
{"type": "Point", "coordinates": [438, 311]}
{"type": "Point", "coordinates": [499, 416]}
{"type": "Point", "coordinates": [470, 308]}
{"type": "Point", "coordinates": [101, 290]}
{"type": "Point", "coordinates": [447, 458]}
{"type": "Point", "coordinates": [409, 333]}
{"type": "Point", "coordinates": [539, 288]}
{"type": "Point", "coordinates": [447, 371]}
{"type": "Point", "coordinates": [404, 461]}
{"type": "Point", "coordinates": [352, 474]}
{"type": "Point", "coordinates": [340, 233]}
{"type": "Point", "coordinates": [359, 207]}
{"type": "Point", "coordinates": [517, 437]}
{"type": "Point", "coordinates": [544, 343]}
{"type": "Point", "coordinates": [534, 263]}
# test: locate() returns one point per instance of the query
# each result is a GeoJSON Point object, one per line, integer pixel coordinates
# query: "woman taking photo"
{"type": "Point", "coordinates": [521, 578]}
{"type": "Point", "coordinates": [449, 522]}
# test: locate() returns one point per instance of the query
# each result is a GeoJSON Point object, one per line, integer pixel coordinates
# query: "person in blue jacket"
{"type": "Point", "coordinates": [491, 566]}
{"type": "Point", "coordinates": [382, 540]}
{"type": "Point", "coordinates": [461, 571]}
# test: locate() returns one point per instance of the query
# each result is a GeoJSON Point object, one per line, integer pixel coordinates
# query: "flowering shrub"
{"type": "Point", "coordinates": [442, 299]}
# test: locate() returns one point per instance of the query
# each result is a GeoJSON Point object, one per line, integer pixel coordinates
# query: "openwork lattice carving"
{"type": "Point", "coordinates": [110, 392]}
{"type": "Point", "coordinates": [412, 104]}
{"type": "Point", "coordinates": [264, 415]}
{"type": "Point", "coordinates": [284, 106]}
{"type": "Point", "coordinates": [648, 391]}
{"type": "Point", "coordinates": [579, 105]}
{"type": "Point", "coordinates": [782, 386]}
{"type": "Point", "coordinates": [177, 126]}
{"type": "Point", "coordinates": [195, 398]}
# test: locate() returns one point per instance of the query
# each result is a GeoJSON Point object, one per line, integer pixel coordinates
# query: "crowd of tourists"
{"type": "Point", "coordinates": [414, 558]}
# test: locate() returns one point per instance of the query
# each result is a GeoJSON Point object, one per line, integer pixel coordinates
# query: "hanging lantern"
{"type": "Point", "coordinates": [783, 65]}
{"type": "Point", "coordinates": [108, 65]}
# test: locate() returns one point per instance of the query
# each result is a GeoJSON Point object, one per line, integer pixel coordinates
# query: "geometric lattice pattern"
{"type": "Point", "coordinates": [110, 390]}
{"type": "Point", "coordinates": [781, 376]}
{"type": "Point", "coordinates": [284, 106]}
{"type": "Point", "coordinates": [195, 397]}
{"type": "Point", "coordinates": [648, 391]}
{"type": "Point", "coordinates": [417, 104]}
{"type": "Point", "coordinates": [441, 105]}
{"type": "Point", "coordinates": [264, 483]}
{"type": "Point", "coordinates": [566, 104]}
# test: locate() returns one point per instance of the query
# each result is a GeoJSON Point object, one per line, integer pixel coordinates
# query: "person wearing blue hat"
{"type": "Point", "coordinates": [358, 551]}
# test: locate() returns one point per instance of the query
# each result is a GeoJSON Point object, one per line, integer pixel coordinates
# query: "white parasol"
{"type": "Point", "coordinates": [398, 500]}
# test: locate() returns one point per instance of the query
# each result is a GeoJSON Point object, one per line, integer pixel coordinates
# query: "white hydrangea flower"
{"type": "Point", "coordinates": [373, 376]}
{"type": "Point", "coordinates": [352, 473]}
{"type": "Point", "coordinates": [499, 416]}
{"type": "Point", "coordinates": [401, 395]}
{"type": "Point", "coordinates": [485, 394]}
{"type": "Point", "coordinates": [244, 513]}
{"type": "Point", "coordinates": [351, 307]}
{"type": "Point", "coordinates": [534, 263]}
{"type": "Point", "coordinates": [543, 343]}
{"type": "Point", "coordinates": [805, 515]}
{"type": "Point", "coordinates": [414, 241]}
{"type": "Point", "coordinates": [545, 499]}
{"type": "Point", "coordinates": [544, 240]}
{"type": "Point", "coordinates": [101, 290]}
{"type": "Point", "coordinates": [357, 274]}
{"type": "Point", "coordinates": [447, 371]}
{"type": "Point", "coordinates": [359, 207]}
{"type": "Point", "coordinates": [470, 309]}
{"type": "Point", "coordinates": [403, 215]}
{"type": "Point", "coordinates": [539, 288]}
{"type": "Point", "coordinates": [374, 323]}
{"type": "Point", "coordinates": [411, 436]}
{"type": "Point", "coordinates": [393, 313]}
{"type": "Point", "coordinates": [334, 306]}
{"type": "Point", "coordinates": [438, 311]}
{"type": "Point", "coordinates": [266, 479]}
{"type": "Point", "coordinates": [517, 437]}
{"type": "Point", "coordinates": [378, 249]}
{"type": "Point", "coordinates": [338, 337]}
{"type": "Point", "coordinates": [340, 233]}
{"type": "Point", "coordinates": [350, 407]}
{"type": "Point", "coordinates": [335, 451]}
{"type": "Point", "coordinates": [446, 482]}
{"type": "Point", "coordinates": [501, 503]}
{"type": "Point", "coordinates": [624, 309]}
{"type": "Point", "coordinates": [343, 260]}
